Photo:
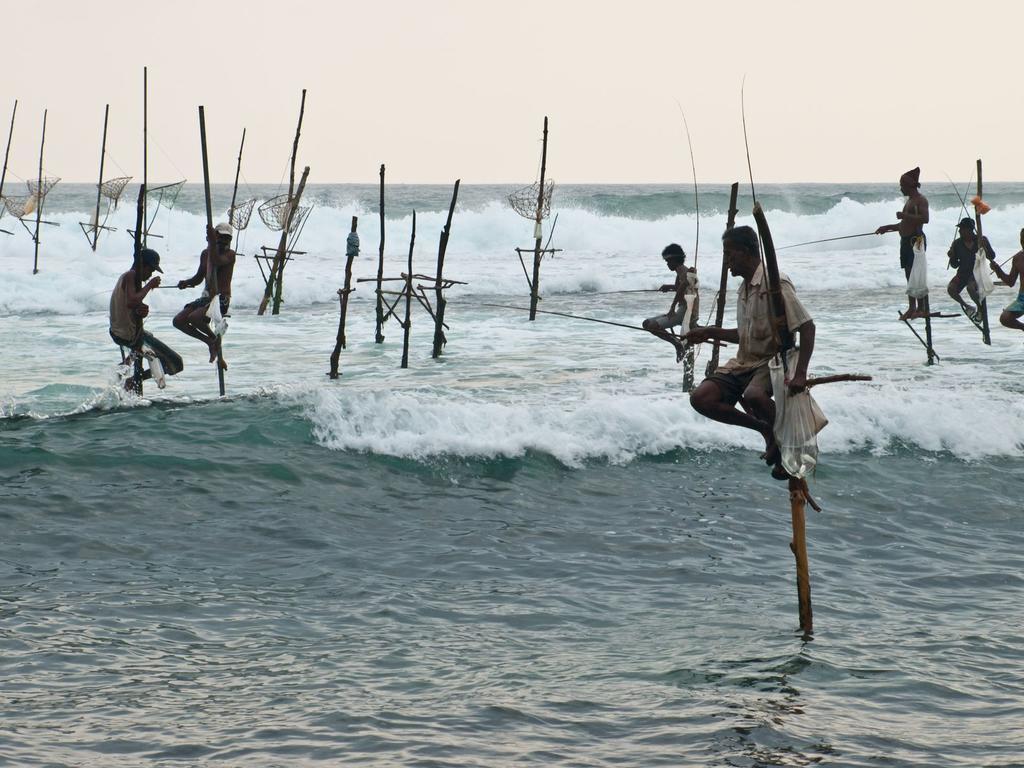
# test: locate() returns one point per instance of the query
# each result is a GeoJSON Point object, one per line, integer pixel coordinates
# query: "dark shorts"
{"type": "Point", "coordinates": [204, 301]}
{"type": "Point", "coordinates": [170, 359]}
{"type": "Point", "coordinates": [734, 385]}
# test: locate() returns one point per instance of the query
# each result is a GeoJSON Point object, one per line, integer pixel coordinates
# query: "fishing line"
{"type": "Point", "coordinates": [696, 199]}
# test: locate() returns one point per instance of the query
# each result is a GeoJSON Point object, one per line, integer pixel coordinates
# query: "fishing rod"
{"type": "Point", "coordinates": [566, 314]}
{"type": "Point", "coordinates": [696, 199]}
{"type": "Point", "coordinates": [826, 240]}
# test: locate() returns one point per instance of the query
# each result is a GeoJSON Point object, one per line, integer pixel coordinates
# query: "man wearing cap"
{"type": "Point", "coordinates": [911, 223]}
{"type": "Point", "coordinates": [128, 308]}
{"type": "Point", "coordinates": [193, 318]}
{"type": "Point", "coordinates": [961, 257]}
{"type": "Point", "coordinates": [685, 283]}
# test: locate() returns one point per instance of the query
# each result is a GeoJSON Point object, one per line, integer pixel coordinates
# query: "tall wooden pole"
{"type": "Point", "coordinates": [140, 218]}
{"type": "Point", "coordinates": [378, 336]}
{"type": "Point", "coordinates": [145, 150]}
{"type": "Point", "coordinates": [7, 152]}
{"type": "Point", "coordinates": [441, 302]}
{"type": "Point", "coordinates": [723, 280]}
{"type": "Point", "coordinates": [983, 305]}
{"type": "Point", "coordinates": [351, 251]}
{"type": "Point", "coordinates": [797, 503]}
{"type": "Point", "coordinates": [537, 231]}
{"type": "Point", "coordinates": [295, 145]}
{"type": "Point", "coordinates": [407, 325]}
{"type": "Point", "coordinates": [40, 197]}
{"type": "Point", "coordinates": [211, 243]}
{"type": "Point", "coordinates": [99, 184]}
{"type": "Point", "coordinates": [238, 171]}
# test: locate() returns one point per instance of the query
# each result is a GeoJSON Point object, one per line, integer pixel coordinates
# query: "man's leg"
{"type": "Point", "coordinates": [712, 400]}
{"type": "Point", "coordinates": [1011, 320]}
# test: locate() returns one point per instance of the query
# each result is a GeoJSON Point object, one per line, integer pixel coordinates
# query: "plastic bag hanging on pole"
{"type": "Point", "coordinates": [917, 283]}
{"type": "Point", "coordinates": [798, 420]}
{"type": "Point", "coordinates": [982, 273]}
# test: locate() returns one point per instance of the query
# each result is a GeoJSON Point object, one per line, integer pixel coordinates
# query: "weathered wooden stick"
{"type": "Point", "coordinates": [99, 184]}
{"type": "Point", "coordinates": [538, 233]}
{"type": "Point", "coordinates": [378, 336]}
{"type": "Point", "coordinates": [351, 251]}
{"type": "Point", "coordinates": [295, 147]}
{"type": "Point", "coordinates": [41, 197]}
{"type": "Point", "coordinates": [926, 344]}
{"type": "Point", "coordinates": [837, 377]}
{"type": "Point", "coordinates": [140, 217]}
{"type": "Point", "coordinates": [928, 336]}
{"type": "Point", "coordinates": [407, 325]}
{"type": "Point", "coordinates": [211, 244]}
{"type": "Point", "coordinates": [439, 338]}
{"type": "Point", "coordinates": [797, 500]}
{"type": "Point", "coordinates": [983, 305]}
{"type": "Point", "coordinates": [723, 280]}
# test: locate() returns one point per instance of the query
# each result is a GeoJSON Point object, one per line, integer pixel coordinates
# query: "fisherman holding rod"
{"type": "Point", "coordinates": [194, 318]}
{"type": "Point", "coordinates": [685, 284]}
{"type": "Point", "coordinates": [1011, 316]}
{"type": "Point", "coordinates": [911, 223]}
{"type": "Point", "coordinates": [745, 379]}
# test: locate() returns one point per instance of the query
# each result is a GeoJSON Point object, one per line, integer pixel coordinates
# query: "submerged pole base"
{"type": "Point", "coordinates": [798, 497]}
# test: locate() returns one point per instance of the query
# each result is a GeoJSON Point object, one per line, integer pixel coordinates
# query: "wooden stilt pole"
{"type": "Point", "coordinates": [140, 217]}
{"type": "Point", "coordinates": [145, 149]}
{"type": "Point", "coordinates": [537, 233]}
{"type": "Point", "coordinates": [7, 153]}
{"type": "Point", "coordinates": [723, 280]}
{"type": "Point", "coordinates": [40, 196]}
{"type": "Point", "coordinates": [99, 184]}
{"type": "Point", "coordinates": [928, 336]}
{"type": "Point", "coordinates": [797, 500]}
{"type": "Point", "coordinates": [351, 251]}
{"type": "Point", "coordinates": [211, 244]}
{"type": "Point", "coordinates": [983, 305]}
{"type": "Point", "coordinates": [378, 336]}
{"type": "Point", "coordinates": [407, 325]}
{"type": "Point", "coordinates": [440, 301]}
{"type": "Point", "coordinates": [281, 256]}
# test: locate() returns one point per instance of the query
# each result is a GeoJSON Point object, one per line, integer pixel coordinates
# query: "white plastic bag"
{"type": "Point", "coordinates": [982, 273]}
{"type": "Point", "coordinates": [917, 283]}
{"type": "Point", "coordinates": [217, 321]}
{"type": "Point", "coordinates": [798, 420]}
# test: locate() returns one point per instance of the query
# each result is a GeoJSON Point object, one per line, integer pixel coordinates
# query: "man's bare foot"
{"type": "Point", "coordinates": [779, 473]}
{"type": "Point", "coordinates": [223, 364]}
{"type": "Point", "coordinates": [772, 455]}
{"type": "Point", "coordinates": [213, 350]}
{"type": "Point", "coordinates": [906, 315]}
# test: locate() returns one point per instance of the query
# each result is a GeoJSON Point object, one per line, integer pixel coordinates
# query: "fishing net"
{"type": "Point", "coordinates": [240, 214]}
{"type": "Point", "coordinates": [112, 188]}
{"type": "Point", "coordinates": [798, 420]}
{"type": "Point", "coordinates": [524, 201]}
{"type": "Point", "coordinates": [21, 206]}
{"type": "Point", "coordinates": [166, 195]}
{"type": "Point", "coordinates": [274, 213]}
{"type": "Point", "coordinates": [48, 183]}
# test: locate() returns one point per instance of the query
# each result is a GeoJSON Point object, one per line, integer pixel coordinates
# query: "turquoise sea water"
{"type": "Point", "coordinates": [529, 552]}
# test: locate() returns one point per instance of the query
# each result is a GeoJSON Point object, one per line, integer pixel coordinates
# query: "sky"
{"type": "Point", "coordinates": [447, 89]}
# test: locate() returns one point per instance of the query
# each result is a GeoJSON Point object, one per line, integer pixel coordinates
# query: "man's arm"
{"type": "Point", "coordinates": [136, 297]}
{"type": "Point", "coordinates": [919, 215]}
{"type": "Point", "coordinates": [798, 381]}
{"type": "Point", "coordinates": [711, 333]}
{"type": "Point", "coordinates": [1007, 279]}
{"type": "Point", "coordinates": [197, 278]}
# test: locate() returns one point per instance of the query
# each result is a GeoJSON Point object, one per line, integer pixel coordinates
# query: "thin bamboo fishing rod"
{"type": "Point", "coordinates": [40, 196]}
{"type": "Point", "coordinates": [696, 198]}
{"type": "Point", "coordinates": [7, 153]}
{"type": "Point", "coordinates": [565, 314]}
{"type": "Point", "coordinates": [99, 184]}
{"type": "Point", "coordinates": [238, 172]}
{"type": "Point", "coordinates": [826, 240]}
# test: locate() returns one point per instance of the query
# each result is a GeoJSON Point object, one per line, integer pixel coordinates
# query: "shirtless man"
{"type": "Point", "coordinates": [193, 318]}
{"type": "Point", "coordinates": [961, 256]}
{"type": "Point", "coordinates": [1011, 316]}
{"type": "Point", "coordinates": [912, 219]}
{"type": "Point", "coordinates": [745, 379]}
{"type": "Point", "coordinates": [685, 282]}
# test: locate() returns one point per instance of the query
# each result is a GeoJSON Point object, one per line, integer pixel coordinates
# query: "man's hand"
{"type": "Point", "coordinates": [797, 383]}
{"type": "Point", "coordinates": [697, 335]}
{"type": "Point", "coordinates": [153, 283]}
{"type": "Point", "coordinates": [883, 229]}
{"type": "Point", "coordinates": [667, 287]}
{"type": "Point", "coordinates": [181, 285]}
{"type": "Point", "coordinates": [142, 310]}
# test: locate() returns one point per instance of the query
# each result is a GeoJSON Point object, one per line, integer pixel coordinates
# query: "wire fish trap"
{"type": "Point", "coordinates": [239, 215]}
{"type": "Point", "coordinates": [274, 213]}
{"type": "Point", "coordinates": [524, 201]}
{"type": "Point", "coordinates": [166, 194]}
{"type": "Point", "coordinates": [21, 206]}
{"type": "Point", "coordinates": [113, 188]}
{"type": "Point", "coordinates": [48, 183]}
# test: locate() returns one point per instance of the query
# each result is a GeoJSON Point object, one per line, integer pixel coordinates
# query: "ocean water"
{"type": "Point", "coordinates": [528, 552]}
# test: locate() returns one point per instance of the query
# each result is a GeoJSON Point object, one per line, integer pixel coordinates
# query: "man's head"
{"type": "Point", "coordinates": [910, 181]}
{"type": "Point", "coordinates": [966, 227]}
{"type": "Point", "coordinates": [223, 231]}
{"type": "Point", "coordinates": [741, 251]}
{"type": "Point", "coordinates": [674, 256]}
{"type": "Point", "coordinates": [150, 263]}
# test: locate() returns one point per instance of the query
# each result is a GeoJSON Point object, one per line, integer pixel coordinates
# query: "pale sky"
{"type": "Point", "coordinates": [858, 91]}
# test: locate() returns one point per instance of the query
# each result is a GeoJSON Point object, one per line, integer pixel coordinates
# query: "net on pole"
{"type": "Point", "coordinates": [112, 188]}
{"type": "Point", "coordinates": [240, 214]}
{"type": "Point", "coordinates": [48, 183]}
{"type": "Point", "coordinates": [274, 213]}
{"type": "Point", "coordinates": [524, 201]}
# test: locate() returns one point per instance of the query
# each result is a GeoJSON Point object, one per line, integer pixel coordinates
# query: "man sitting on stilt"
{"type": "Point", "coordinates": [745, 378]}
{"type": "Point", "coordinates": [685, 283]}
{"type": "Point", "coordinates": [194, 318]}
{"type": "Point", "coordinates": [1010, 317]}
